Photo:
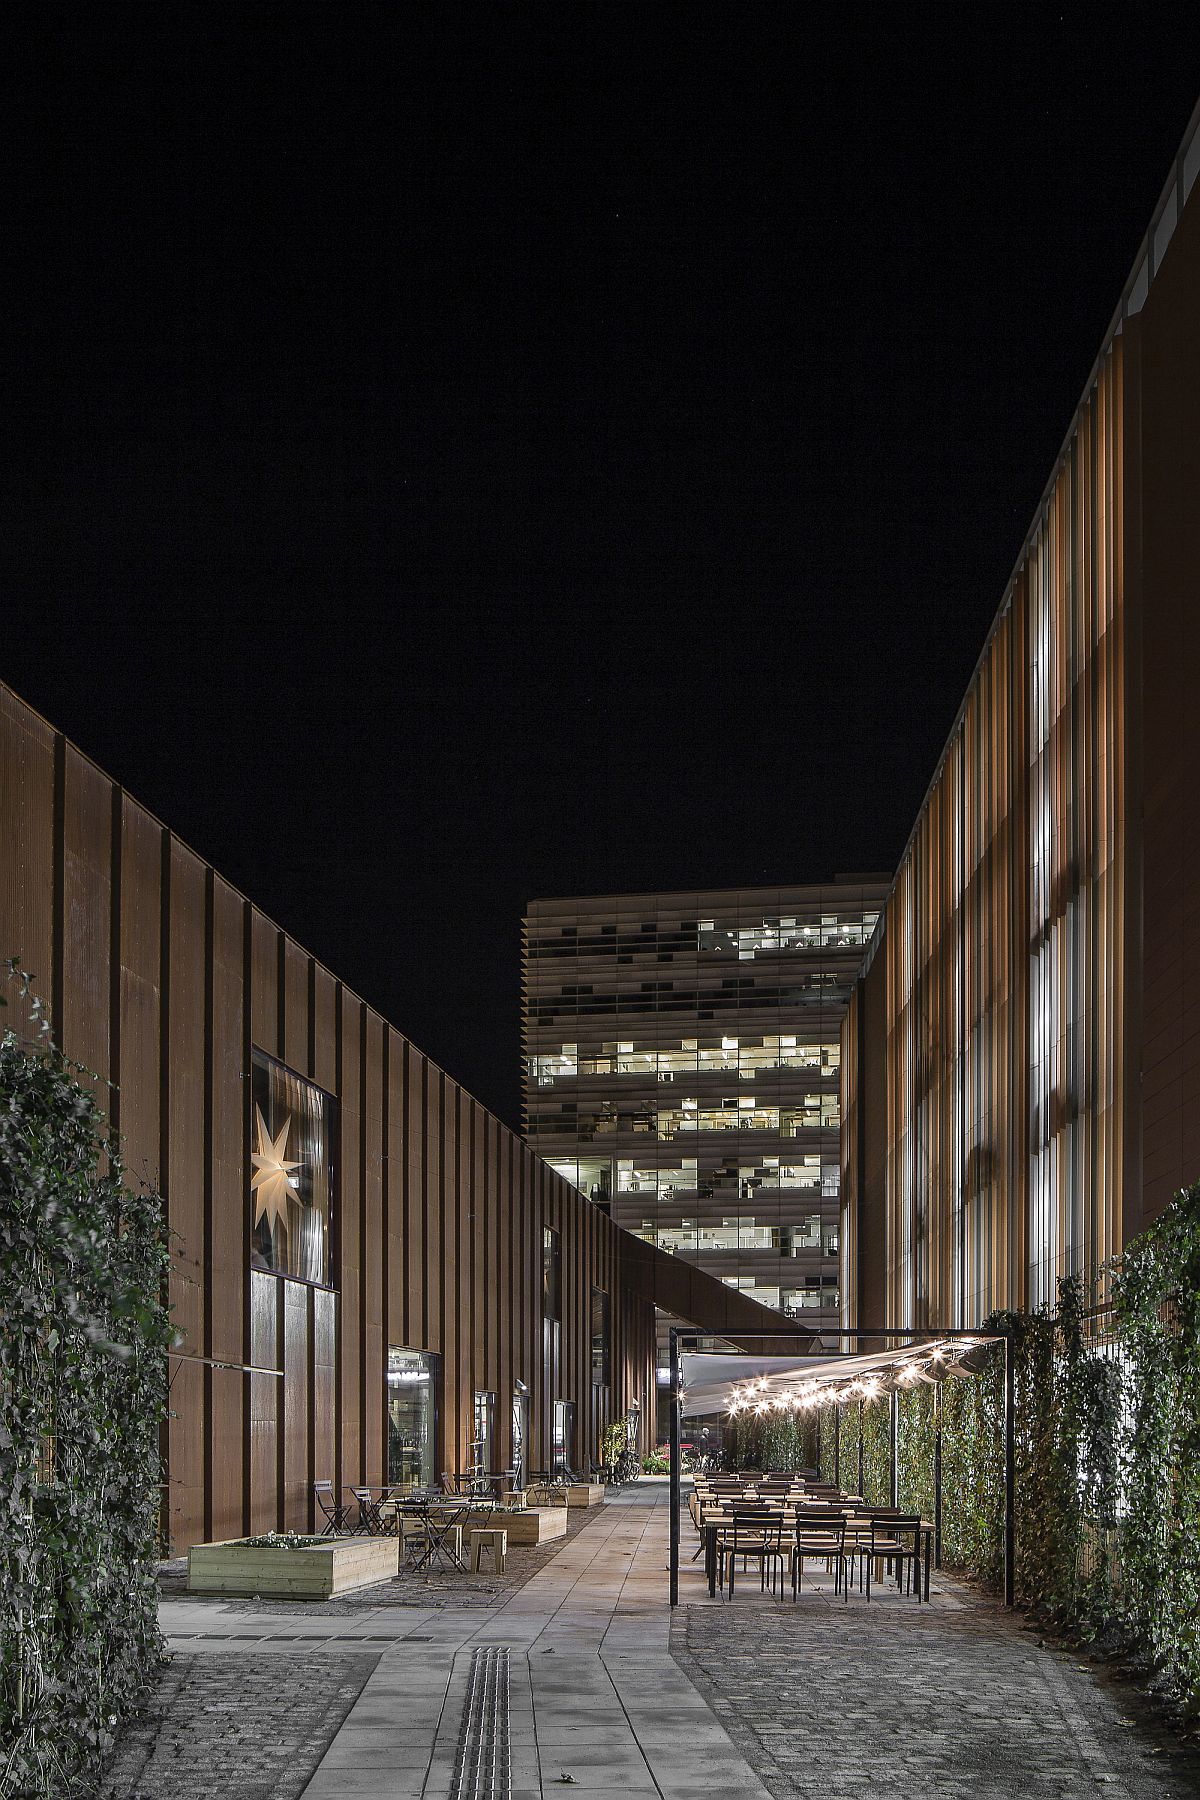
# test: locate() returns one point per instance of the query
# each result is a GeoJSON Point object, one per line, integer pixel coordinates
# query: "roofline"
{"type": "Point", "coordinates": [881, 882]}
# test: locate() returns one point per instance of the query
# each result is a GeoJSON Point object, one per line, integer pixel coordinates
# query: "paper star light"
{"type": "Point", "coordinates": [273, 1183]}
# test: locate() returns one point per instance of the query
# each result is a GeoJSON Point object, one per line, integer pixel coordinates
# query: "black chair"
{"type": "Point", "coordinates": [819, 1534]}
{"type": "Point", "coordinates": [335, 1513]}
{"type": "Point", "coordinates": [758, 1536]}
{"type": "Point", "coordinates": [370, 1521]}
{"type": "Point", "coordinates": [889, 1535]}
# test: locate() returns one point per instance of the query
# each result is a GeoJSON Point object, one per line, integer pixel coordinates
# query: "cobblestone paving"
{"type": "Point", "coordinates": [434, 1588]}
{"type": "Point", "coordinates": [248, 1727]}
{"type": "Point", "coordinates": [833, 1703]}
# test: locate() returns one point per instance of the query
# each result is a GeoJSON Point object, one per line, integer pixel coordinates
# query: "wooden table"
{"type": "Point", "coordinates": [715, 1522]}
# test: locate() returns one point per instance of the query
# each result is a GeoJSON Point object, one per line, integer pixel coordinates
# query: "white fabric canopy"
{"type": "Point", "coordinates": [708, 1380]}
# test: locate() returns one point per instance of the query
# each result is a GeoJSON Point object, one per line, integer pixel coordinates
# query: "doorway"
{"type": "Point", "coordinates": [520, 1433]}
{"type": "Point", "coordinates": [411, 1418]}
{"type": "Point", "coordinates": [562, 1444]}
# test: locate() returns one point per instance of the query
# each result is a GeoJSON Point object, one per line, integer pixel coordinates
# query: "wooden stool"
{"type": "Point", "coordinates": [488, 1538]}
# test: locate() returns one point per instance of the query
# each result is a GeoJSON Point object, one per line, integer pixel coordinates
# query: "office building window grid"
{"type": "Point", "coordinates": [681, 1068]}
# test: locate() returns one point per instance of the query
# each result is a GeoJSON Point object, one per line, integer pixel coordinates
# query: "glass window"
{"type": "Point", "coordinates": [551, 1273]}
{"type": "Point", "coordinates": [412, 1418]}
{"type": "Point", "coordinates": [291, 1172]}
{"type": "Point", "coordinates": [562, 1440]}
{"type": "Point", "coordinates": [520, 1433]}
{"type": "Point", "coordinates": [599, 1337]}
{"type": "Point", "coordinates": [484, 1442]}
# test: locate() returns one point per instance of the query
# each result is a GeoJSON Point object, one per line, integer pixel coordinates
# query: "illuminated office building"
{"type": "Point", "coordinates": [681, 1068]}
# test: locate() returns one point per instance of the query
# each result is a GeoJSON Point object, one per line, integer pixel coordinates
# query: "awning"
{"type": "Point", "coordinates": [737, 1382]}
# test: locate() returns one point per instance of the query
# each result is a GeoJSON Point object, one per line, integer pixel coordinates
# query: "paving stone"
{"type": "Point", "coordinates": [248, 1727]}
{"type": "Point", "coordinates": [900, 1702]}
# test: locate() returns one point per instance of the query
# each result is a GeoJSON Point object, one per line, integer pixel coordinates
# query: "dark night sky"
{"type": "Point", "coordinates": [464, 454]}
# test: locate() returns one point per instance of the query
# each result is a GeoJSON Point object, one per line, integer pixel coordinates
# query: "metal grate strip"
{"type": "Point", "coordinates": [483, 1766]}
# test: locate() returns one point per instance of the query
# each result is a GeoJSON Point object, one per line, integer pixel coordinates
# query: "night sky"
{"type": "Point", "coordinates": [464, 454]}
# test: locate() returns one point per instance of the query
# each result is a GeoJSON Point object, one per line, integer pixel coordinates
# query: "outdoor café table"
{"type": "Point", "coordinates": [715, 1519]}
{"type": "Point", "coordinates": [438, 1515]}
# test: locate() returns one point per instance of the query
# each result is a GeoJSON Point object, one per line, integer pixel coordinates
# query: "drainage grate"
{"type": "Point", "coordinates": [483, 1766]}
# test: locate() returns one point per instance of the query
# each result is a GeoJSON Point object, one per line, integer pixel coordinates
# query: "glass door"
{"type": "Point", "coordinates": [483, 1446]}
{"type": "Point", "coordinates": [412, 1381]}
{"type": "Point", "coordinates": [563, 1439]}
{"type": "Point", "coordinates": [520, 1434]}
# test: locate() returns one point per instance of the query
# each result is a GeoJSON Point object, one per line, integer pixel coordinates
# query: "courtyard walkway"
{"type": "Point", "coordinates": [820, 1701]}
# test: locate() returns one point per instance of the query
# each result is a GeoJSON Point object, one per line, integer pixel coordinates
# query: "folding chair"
{"type": "Point", "coordinates": [370, 1523]}
{"type": "Point", "coordinates": [335, 1513]}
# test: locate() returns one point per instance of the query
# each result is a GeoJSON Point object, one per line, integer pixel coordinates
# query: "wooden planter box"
{"type": "Point", "coordinates": [536, 1525]}
{"type": "Point", "coordinates": [586, 1493]}
{"type": "Point", "coordinates": [334, 1567]}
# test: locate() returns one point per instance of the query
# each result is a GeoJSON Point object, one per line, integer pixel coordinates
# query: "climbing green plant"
{"type": "Point", "coordinates": [83, 1339]}
{"type": "Point", "coordinates": [1106, 1457]}
{"type": "Point", "coordinates": [771, 1441]}
{"type": "Point", "coordinates": [1156, 1295]}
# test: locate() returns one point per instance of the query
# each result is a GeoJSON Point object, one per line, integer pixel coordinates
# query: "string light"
{"type": "Point", "coordinates": [793, 1392]}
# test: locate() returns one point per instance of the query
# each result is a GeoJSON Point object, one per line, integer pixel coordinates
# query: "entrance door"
{"type": "Point", "coordinates": [482, 1460]}
{"type": "Point", "coordinates": [520, 1434]}
{"type": "Point", "coordinates": [412, 1417]}
{"type": "Point", "coordinates": [563, 1440]}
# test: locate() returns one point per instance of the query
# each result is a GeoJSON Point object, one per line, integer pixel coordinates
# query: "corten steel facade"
{"type": "Point", "coordinates": [429, 1228]}
{"type": "Point", "coordinates": [681, 1066]}
{"type": "Point", "coordinates": [1021, 1068]}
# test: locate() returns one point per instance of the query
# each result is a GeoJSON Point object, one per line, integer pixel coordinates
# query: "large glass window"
{"type": "Point", "coordinates": [562, 1442]}
{"type": "Point", "coordinates": [520, 1434]}
{"type": "Point", "coordinates": [291, 1172]}
{"type": "Point", "coordinates": [483, 1461]}
{"type": "Point", "coordinates": [412, 1418]}
{"type": "Point", "coordinates": [599, 1337]}
{"type": "Point", "coordinates": [551, 1273]}
{"type": "Point", "coordinates": [592, 1176]}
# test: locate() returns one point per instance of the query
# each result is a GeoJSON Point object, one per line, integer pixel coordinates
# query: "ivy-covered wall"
{"type": "Point", "coordinates": [1107, 1448]}
{"type": "Point", "coordinates": [777, 1441]}
{"type": "Point", "coordinates": [83, 1339]}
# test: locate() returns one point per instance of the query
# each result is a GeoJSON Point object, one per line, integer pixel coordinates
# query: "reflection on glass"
{"type": "Point", "coordinates": [291, 1172]}
{"type": "Point", "coordinates": [412, 1417]}
{"type": "Point", "coordinates": [483, 1443]}
{"type": "Point", "coordinates": [599, 1337]}
{"type": "Point", "coordinates": [562, 1443]}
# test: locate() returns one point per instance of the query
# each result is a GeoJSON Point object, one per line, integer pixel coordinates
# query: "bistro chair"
{"type": "Point", "coordinates": [334, 1512]}
{"type": "Point", "coordinates": [413, 1539]}
{"type": "Point", "coordinates": [694, 1511]}
{"type": "Point", "coordinates": [757, 1536]}
{"type": "Point", "coordinates": [370, 1521]}
{"type": "Point", "coordinates": [888, 1543]}
{"type": "Point", "coordinates": [819, 1534]}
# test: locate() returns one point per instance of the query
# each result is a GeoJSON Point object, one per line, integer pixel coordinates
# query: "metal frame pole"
{"type": "Point", "coordinates": [675, 1465]}
{"type": "Point", "coordinates": [837, 1445]}
{"type": "Point", "coordinates": [1010, 1472]}
{"type": "Point", "coordinates": [861, 1466]}
{"type": "Point", "coordinates": [937, 1475]}
{"type": "Point", "coordinates": [894, 1448]}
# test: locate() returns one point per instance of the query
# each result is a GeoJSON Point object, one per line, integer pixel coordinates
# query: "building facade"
{"type": "Point", "coordinates": [1021, 1058]}
{"type": "Point", "coordinates": [681, 1069]}
{"type": "Point", "coordinates": [373, 1279]}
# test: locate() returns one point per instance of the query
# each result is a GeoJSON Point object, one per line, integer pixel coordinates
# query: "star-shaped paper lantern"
{"type": "Point", "coordinates": [272, 1183]}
